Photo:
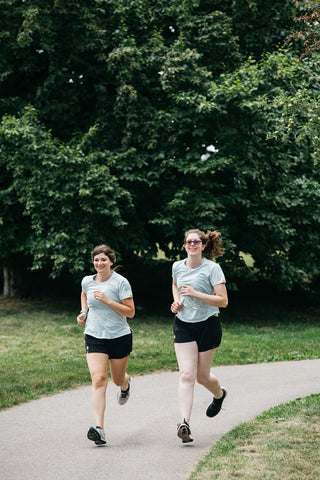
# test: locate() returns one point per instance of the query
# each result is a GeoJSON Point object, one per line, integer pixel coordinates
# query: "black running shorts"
{"type": "Point", "coordinates": [207, 334]}
{"type": "Point", "coordinates": [114, 347]}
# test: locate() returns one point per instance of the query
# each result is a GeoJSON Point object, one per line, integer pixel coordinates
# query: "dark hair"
{"type": "Point", "coordinates": [106, 250]}
{"type": "Point", "coordinates": [211, 240]}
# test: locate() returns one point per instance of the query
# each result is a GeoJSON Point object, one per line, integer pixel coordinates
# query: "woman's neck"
{"type": "Point", "coordinates": [103, 277]}
{"type": "Point", "coordinates": [194, 262]}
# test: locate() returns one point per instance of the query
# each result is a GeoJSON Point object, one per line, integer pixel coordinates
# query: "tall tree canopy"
{"type": "Point", "coordinates": [129, 121]}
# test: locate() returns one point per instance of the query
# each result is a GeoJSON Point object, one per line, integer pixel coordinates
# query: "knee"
{"type": "Point", "coordinates": [187, 377]}
{"type": "Point", "coordinates": [99, 380]}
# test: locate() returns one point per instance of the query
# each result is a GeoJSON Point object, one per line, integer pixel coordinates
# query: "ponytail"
{"type": "Point", "coordinates": [213, 245]}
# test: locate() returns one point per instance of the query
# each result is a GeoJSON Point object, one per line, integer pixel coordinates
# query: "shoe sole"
{"type": "Point", "coordinates": [94, 436]}
{"type": "Point", "coordinates": [121, 400]}
{"type": "Point", "coordinates": [184, 434]}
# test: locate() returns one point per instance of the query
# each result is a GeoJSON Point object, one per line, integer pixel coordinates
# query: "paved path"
{"type": "Point", "coordinates": [46, 439]}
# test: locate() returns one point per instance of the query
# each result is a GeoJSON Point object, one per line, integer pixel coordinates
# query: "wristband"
{"type": "Point", "coordinates": [84, 311]}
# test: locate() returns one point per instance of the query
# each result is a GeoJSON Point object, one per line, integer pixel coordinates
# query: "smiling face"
{"type": "Point", "coordinates": [193, 245]}
{"type": "Point", "coordinates": [102, 263]}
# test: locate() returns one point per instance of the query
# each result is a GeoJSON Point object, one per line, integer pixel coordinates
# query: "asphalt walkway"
{"type": "Point", "coordinates": [46, 439]}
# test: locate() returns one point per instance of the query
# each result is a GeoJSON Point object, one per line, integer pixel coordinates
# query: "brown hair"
{"type": "Point", "coordinates": [106, 250]}
{"type": "Point", "coordinates": [211, 240]}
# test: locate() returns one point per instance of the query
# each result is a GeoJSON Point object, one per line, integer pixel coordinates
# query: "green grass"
{"type": "Point", "coordinates": [289, 339]}
{"type": "Point", "coordinates": [42, 347]}
{"type": "Point", "coordinates": [281, 443]}
{"type": "Point", "coordinates": [42, 352]}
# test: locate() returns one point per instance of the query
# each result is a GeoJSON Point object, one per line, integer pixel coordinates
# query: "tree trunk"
{"type": "Point", "coordinates": [7, 284]}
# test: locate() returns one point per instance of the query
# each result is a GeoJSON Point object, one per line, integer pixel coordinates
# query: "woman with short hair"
{"type": "Point", "coordinates": [106, 302]}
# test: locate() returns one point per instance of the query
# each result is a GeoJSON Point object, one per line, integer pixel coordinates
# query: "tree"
{"type": "Point", "coordinates": [274, 179]}
{"type": "Point", "coordinates": [307, 31]}
{"type": "Point", "coordinates": [72, 61]}
{"type": "Point", "coordinates": [14, 228]}
{"type": "Point", "coordinates": [181, 127]}
{"type": "Point", "coordinates": [71, 199]}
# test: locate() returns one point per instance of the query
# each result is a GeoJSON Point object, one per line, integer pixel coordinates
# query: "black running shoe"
{"type": "Point", "coordinates": [96, 434]}
{"type": "Point", "coordinates": [184, 432]}
{"type": "Point", "coordinates": [215, 407]}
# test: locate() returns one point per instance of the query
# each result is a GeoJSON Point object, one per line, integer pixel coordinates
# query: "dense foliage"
{"type": "Point", "coordinates": [129, 121]}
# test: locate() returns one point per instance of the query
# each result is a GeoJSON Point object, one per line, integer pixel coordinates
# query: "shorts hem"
{"type": "Point", "coordinates": [115, 348]}
{"type": "Point", "coordinates": [201, 332]}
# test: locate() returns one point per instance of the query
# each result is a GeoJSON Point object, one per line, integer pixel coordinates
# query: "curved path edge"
{"type": "Point", "coordinates": [46, 439]}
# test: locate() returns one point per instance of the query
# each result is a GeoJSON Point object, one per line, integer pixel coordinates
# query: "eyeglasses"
{"type": "Point", "coordinates": [194, 242]}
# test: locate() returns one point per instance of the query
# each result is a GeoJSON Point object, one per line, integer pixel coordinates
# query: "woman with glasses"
{"type": "Point", "coordinates": [106, 301]}
{"type": "Point", "coordinates": [199, 291]}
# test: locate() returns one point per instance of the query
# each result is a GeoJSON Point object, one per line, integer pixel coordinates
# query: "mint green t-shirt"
{"type": "Point", "coordinates": [202, 279]}
{"type": "Point", "coordinates": [102, 321]}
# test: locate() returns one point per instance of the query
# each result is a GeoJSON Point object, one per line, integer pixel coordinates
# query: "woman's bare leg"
{"type": "Point", "coordinates": [98, 364]}
{"type": "Point", "coordinates": [187, 356]}
{"type": "Point", "coordinates": [118, 367]}
{"type": "Point", "coordinates": [204, 375]}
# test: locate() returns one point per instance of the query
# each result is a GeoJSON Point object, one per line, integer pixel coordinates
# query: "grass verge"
{"type": "Point", "coordinates": [42, 348]}
{"type": "Point", "coordinates": [42, 352]}
{"type": "Point", "coordinates": [281, 443]}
